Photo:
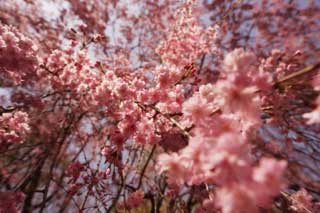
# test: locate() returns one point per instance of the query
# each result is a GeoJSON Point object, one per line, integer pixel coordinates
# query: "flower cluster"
{"type": "Point", "coordinates": [18, 60]}
{"type": "Point", "coordinates": [220, 155]}
{"type": "Point", "coordinates": [14, 127]}
{"type": "Point", "coordinates": [211, 94]}
{"type": "Point", "coordinates": [187, 40]}
{"type": "Point", "coordinates": [241, 83]}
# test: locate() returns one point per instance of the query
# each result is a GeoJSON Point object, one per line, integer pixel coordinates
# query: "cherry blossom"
{"type": "Point", "coordinates": [159, 106]}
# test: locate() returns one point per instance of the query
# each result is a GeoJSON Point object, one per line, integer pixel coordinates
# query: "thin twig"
{"type": "Point", "coordinates": [146, 165]}
{"type": "Point", "coordinates": [301, 72]}
{"type": "Point", "coordinates": [288, 197]}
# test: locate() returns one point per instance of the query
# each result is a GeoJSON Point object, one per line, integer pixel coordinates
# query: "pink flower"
{"type": "Point", "coordinates": [238, 61]}
{"type": "Point", "coordinates": [163, 76]}
{"type": "Point", "coordinates": [236, 199]}
{"type": "Point", "coordinates": [172, 101]}
{"type": "Point", "coordinates": [18, 60]}
{"type": "Point", "coordinates": [145, 133]}
{"type": "Point", "coordinates": [207, 92]}
{"type": "Point", "coordinates": [269, 175]}
{"type": "Point", "coordinates": [177, 168]}
{"type": "Point", "coordinates": [197, 108]}
{"type": "Point", "coordinates": [187, 39]}
{"type": "Point", "coordinates": [14, 127]}
{"type": "Point", "coordinates": [234, 99]}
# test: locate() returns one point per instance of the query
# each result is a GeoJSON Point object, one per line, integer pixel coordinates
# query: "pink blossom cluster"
{"type": "Point", "coordinates": [165, 93]}
{"type": "Point", "coordinates": [70, 72]}
{"type": "Point", "coordinates": [14, 127]}
{"type": "Point", "coordinates": [207, 107]}
{"type": "Point", "coordinates": [145, 133]}
{"type": "Point", "coordinates": [225, 162]}
{"type": "Point", "coordinates": [187, 40]}
{"type": "Point", "coordinates": [93, 87]}
{"type": "Point", "coordinates": [92, 84]}
{"type": "Point", "coordinates": [240, 84]}
{"type": "Point", "coordinates": [90, 13]}
{"type": "Point", "coordinates": [18, 61]}
{"type": "Point", "coordinates": [220, 155]}
{"type": "Point", "coordinates": [113, 90]}
{"type": "Point", "coordinates": [162, 90]}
